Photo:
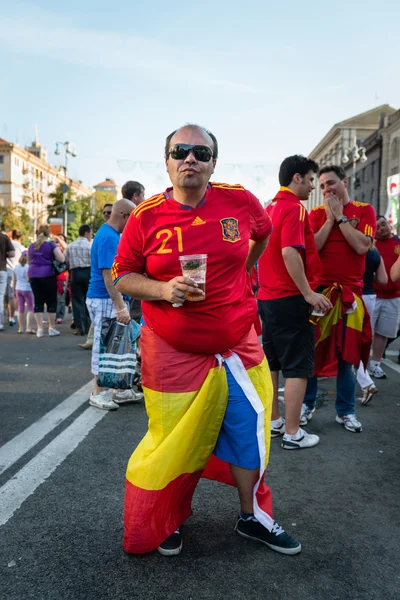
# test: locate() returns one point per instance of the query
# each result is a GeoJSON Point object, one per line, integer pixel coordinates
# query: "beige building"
{"type": "Point", "coordinates": [27, 179]}
{"type": "Point", "coordinates": [108, 187]}
{"type": "Point", "coordinates": [338, 143]}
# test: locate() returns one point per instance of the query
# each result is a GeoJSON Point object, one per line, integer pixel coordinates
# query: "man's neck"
{"type": "Point", "coordinates": [188, 196]}
{"type": "Point", "coordinates": [113, 224]}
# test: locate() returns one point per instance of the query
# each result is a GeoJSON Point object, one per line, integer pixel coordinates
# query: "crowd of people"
{"type": "Point", "coordinates": [321, 288]}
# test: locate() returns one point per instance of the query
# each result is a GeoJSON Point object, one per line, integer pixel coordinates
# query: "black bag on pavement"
{"type": "Point", "coordinates": [117, 359]}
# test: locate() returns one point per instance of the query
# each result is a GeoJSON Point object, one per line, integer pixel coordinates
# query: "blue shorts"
{"type": "Point", "coordinates": [237, 441]}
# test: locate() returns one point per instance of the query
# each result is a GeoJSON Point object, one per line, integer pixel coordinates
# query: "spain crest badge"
{"type": "Point", "coordinates": [230, 230]}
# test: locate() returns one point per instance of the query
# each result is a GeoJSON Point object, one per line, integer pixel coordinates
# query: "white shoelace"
{"type": "Point", "coordinates": [277, 529]}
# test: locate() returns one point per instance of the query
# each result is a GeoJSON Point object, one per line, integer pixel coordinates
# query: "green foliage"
{"type": "Point", "coordinates": [16, 217]}
{"type": "Point", "coordinates": [81, 211]}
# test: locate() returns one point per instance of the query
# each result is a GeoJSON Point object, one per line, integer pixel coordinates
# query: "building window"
{"type": "Point", "coordinates": [373, 170]}
{"type": "Point", "coordinates": [372, 196]}
{"type": "Point", "coordinates": [395, 149]}
{"type": "Point", "coordinates": [1, 188]}
{"type": "Point", "coordinates": [1, 159]}
{"type": "Point", "coordinates": [1, 173]}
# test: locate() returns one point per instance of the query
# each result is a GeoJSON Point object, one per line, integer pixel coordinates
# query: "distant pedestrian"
{"type": "Point", "coordinates": [16, 237]}
{"type": "Point", "coordinates": [387, 307]}
{"type": "Point", "coordinates": [343, 230]}
{"type": "Point", "coordinates": [78, 257]}
{"type": "Point", "coordinates": [24, 294]}
{"type": "Point", "coordinates": [374, 271]}
{"type": "Point", "coordinates": [133, 191]}
{"type": "Point", "coordinates": [107, 208]}
{"type": "Point", "coordinates": [288, 270]}
{"type": "Point", "coordinates": [103, 300]}
{"type": "Point", "coordinates": [42, 278]}
{"type": "Point", "coordinates": [62, 282]}
{"type": "Point", "coordinates": [7, 250]}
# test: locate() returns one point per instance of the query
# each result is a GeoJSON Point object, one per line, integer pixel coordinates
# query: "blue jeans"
{"type": "Point", "coordinates": [345, 390]}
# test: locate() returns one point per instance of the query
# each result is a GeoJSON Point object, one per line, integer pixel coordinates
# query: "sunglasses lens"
{"type": "Point", "coordinates": [181, 151]}
{"type": "Point", "coordinates": [202, 153]}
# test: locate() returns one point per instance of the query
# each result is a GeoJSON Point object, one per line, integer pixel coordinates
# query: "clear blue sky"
{"type": "Point", "coordinates": [268, 78]}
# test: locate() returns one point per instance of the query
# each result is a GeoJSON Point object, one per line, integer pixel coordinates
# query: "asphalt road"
{"type": "Point", "coordinates": [340, 499]}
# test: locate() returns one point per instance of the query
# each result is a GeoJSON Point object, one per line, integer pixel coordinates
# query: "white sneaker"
{"type": "Point", "coordinates": [127, 396]}
{"type": "Point", "coordinates": [306, 414]}
{"type": "Point", "coordinates": [39, 333]}
{"type": "Point", "coordinates": [377, 372]}
{"type": "Point", "coordinates": [53, 332]}
{"type": "Point", "coordinates": [103, 400]}
{"type": "Point", "coordinates": [368, 393]}
{"type": "Point", "coordinates": [277, 430]}
{"type": "Point", "coordinates": [350, 422]}
{"type": "Point", "coordinates": [305, 440]}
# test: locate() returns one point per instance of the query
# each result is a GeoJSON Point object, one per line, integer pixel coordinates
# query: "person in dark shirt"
{"type": "Point", "coordinates": [374, 272]}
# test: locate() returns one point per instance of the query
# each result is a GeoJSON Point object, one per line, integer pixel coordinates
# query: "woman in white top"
{"type": "Point", "coordinates": [24, 294]}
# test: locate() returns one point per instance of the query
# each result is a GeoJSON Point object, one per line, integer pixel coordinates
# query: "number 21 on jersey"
{"type": "Point", "coordinates": [165, 235]}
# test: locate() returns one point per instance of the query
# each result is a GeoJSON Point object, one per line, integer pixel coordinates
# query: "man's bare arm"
{"type": "Point", "coordinates": [395, 271]}
{"type": "Point", "coordinates": [322, 235]}
{"type": "Point", "coordinates": [295, 268]}
{"type": "Point", "coordinates": [114, 294]}
{"type": "Point", "coordinates": [256, 250]}
{"type": "Point", "coordinates": [142, 288]}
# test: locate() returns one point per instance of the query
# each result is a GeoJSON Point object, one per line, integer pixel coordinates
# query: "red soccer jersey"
{"type": "Point", "coordinates": [290, 228]}
{"type": "Point", "coordinates": [340, 263]}
{"type": "Point", "coordinates": [161, 229]}
{"type": "Point", "coordinates": [389, 251]}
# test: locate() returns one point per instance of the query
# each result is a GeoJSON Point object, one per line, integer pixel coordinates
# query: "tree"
{"type": "Point", "coordinates": [16, 217]}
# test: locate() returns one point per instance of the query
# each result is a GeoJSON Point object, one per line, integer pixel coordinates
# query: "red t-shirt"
{"type": "Point", "coordinates": [161, 229]}
{"type": "Point", "coordinates": [290, 229]}
{"type": "Point", "coordinates": [340, 263]}
{"type": "Point", "coordinates": [389, 251]}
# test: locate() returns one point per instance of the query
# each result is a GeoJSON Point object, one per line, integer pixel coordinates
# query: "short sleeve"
{"type": "Point", "coordinates": [367, 224]}
{"type": "Point", "coordinates": [293, 223]}
{"type": "Point", "coordinates": [260, 222]}
{"type": "Point", "coordinates": [315, 220]}
{"type": "Point", "coordinates": [129, 257]}
{"type": "Point", "coordinates": [106, 251]}
{"type": "Point", "coordinates": [10, 247]}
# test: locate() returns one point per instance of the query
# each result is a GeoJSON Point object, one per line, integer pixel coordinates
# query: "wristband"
{"type": "Point", "coordinates": [120, 311]}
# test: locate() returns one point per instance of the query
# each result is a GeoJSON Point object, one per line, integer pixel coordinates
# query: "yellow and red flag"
{"type": "Point", "coordinates": [344, 332]}
{"type": "Point", "coordinates": [186, 396]}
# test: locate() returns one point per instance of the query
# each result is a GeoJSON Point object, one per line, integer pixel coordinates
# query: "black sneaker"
{"type": "Point", "coordinates": [172, 546]}
{"type": "Point", "coordinates": [277, 539]}
{"type": "Point", "coordinates": [276, 431]}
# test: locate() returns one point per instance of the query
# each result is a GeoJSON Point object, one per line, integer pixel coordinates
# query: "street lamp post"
{"type": "Point", "coordinates": [68, 149]}
{"type": "Point", "coordinates": [354, 153]}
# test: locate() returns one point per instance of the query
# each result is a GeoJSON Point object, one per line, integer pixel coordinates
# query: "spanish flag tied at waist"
{"type": "Point", "coordinates": [344, 332]}
{"type": "Point", "coordinates": [186, 396]}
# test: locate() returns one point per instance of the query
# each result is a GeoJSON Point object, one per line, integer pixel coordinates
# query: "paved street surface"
{"type": "Point", "coordinates": [62, 468]}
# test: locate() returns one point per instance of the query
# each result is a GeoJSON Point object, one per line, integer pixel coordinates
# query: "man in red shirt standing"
{"type": "Point", "coordinates": [343, 231]}
{"type": "Point", "coordinates": [387, 307]}
{"type": "Point", "coordinates": [286, 298]}
{"type": "Point", "coordinates": [207, 386]}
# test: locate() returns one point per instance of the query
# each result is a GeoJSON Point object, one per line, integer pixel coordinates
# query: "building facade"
{"type": "Point", "coordinates": [27, 179]}
{"type": "Point", "coordinates": [363, 167]}
{"type": "Point", "coordinates": [108, 187]}
{"type": "Point", "coordinates": [390, 171]}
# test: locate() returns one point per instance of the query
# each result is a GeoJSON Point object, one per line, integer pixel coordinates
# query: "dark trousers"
{"type": "Point", "coordinates": [79, 287]}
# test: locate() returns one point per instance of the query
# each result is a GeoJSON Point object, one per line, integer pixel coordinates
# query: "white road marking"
{"type": "Point", "coordinates": [24, 441]}
{"type": "Point", "coordinates": [29, 478]}
{"type": "Point", "coordinates": [391, 364]}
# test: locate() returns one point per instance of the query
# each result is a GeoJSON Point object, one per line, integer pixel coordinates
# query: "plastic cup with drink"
{"type": "Point", "coordinates": [195, 267]}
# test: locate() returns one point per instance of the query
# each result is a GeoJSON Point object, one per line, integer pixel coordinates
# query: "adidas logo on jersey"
{"type": "Point", "coordinates": [198, 221]}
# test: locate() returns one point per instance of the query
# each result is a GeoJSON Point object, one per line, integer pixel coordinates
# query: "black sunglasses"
{"type": "Point", "coordinates": [106, 212]}
{"type": "Point", "coordinates": [182, 151]}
